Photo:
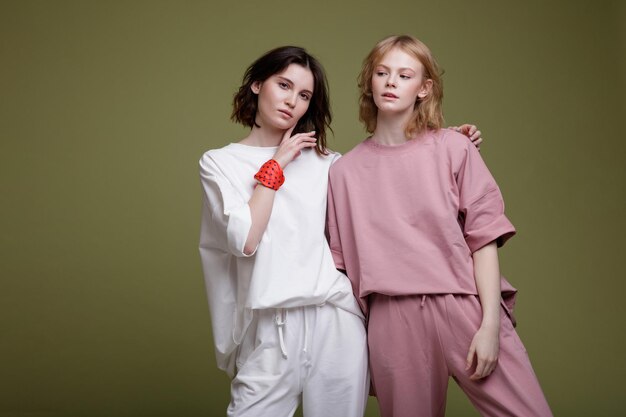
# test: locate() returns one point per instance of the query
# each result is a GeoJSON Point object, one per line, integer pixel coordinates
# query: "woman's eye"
{"type": "Point", "coordinates": [283, 85]}
{"type": "Point", "coordinates": [405, 77]}
{"type": "Point", "coordinates": [380, 73]}
{"type": "Point", "coordinates": [305, 97]}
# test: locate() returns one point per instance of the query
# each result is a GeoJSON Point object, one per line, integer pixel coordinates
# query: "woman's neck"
{"type": "Point", "coordinates": [390, 128]}
{"type": "Point", "coordinates": [263, 137]}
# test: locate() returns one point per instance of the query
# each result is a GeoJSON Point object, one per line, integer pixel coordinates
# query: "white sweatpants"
{"type": "Point", "coordinates": [318, 353]}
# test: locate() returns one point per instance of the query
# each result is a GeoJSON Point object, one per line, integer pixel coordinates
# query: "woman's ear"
{"type": "Point", "coordinates": [426, 89]}
{"type": "Point", "coordinates": [256, 87]}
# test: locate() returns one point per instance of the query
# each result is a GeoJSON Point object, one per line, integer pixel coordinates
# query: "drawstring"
{"type": "Point", "coordinates": [281, 319]}
{"type": "Point", "coordinates": [423, 300]}
{"type": "Point", "coordinates": [306, 331]}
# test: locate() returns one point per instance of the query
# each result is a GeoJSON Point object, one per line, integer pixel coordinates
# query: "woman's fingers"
{"type": "Point", "coordinates": [475, 135]}
{"type": "Point", "coordinates": [287, 134]}
{"type": "Point", "coordinates": [470, 356]}
{"type": "Point", "coordinates": [304, 135]}
{"type": "Point", "coordinates": [291, 146]}
{"type": "Point", "coordinates": [484, 368]}
{"type": "Point", "coordinates": [304, 138]}
{"type": "Point", "coordinates": [480, 369]}
{"type": "Point", "coordinates": [306, 142]}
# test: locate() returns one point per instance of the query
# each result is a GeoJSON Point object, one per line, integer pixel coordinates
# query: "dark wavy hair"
{"type": "Point", "coordinates": [317, 116]}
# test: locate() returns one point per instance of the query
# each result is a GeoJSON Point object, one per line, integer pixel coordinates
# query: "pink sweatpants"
{"type": "Point", "coordinates": [417, 342]}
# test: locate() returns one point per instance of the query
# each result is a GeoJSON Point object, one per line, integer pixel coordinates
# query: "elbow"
{"type": "Point", "coordinates": [251, 244]}
{"type": "Point", "coordinates": [490, 247]}
{"type": "Point", "coordinates": [248, 250]}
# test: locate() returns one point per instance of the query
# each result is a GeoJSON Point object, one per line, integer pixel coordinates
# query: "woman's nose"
{"type": "Point", "coordinates": [291, 100]}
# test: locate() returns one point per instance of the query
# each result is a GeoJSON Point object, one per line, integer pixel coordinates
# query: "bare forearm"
{"type": "Point", "coordinates": [262, 200]}
{"type": "Point", "coordinates": [261, 204]}
{"type": "Point", "coordinates": [487, 276]}
{"type": "Point", "coordinates": [485, 346]}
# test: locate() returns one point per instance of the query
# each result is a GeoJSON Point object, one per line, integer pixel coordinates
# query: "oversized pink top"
{"type": "Point", "coordinates": [406, 219]}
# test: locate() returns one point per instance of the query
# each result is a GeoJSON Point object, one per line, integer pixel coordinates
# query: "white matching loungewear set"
{"type": "Point", "coordinates": [285, 322]}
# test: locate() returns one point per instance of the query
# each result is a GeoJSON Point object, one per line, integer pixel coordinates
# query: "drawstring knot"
{"type": "Point", "coordinates": [281, 319]}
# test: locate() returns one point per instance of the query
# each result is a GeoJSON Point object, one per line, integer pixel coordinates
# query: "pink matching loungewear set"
{"type": "Point", "coordinates": [403, 222]}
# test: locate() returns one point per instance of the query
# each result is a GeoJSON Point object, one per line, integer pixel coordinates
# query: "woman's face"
{"type": "Point", "coordinates": [397, 82]}
{"type": "Point", "coordinates": [284, 97]}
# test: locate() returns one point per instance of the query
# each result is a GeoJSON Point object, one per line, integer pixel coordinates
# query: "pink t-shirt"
{"type": "Point", "coordinates": [405, 219]}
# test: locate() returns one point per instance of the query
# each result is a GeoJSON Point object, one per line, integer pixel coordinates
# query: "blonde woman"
{"type": "Point", "coordinates": [415, 219]}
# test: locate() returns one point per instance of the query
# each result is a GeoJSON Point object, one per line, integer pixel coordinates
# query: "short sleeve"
{"type": "Point", "coordinates": [481, 207]}
{"type": "Point", "coordinates": [228, 212]}
{"type": "Point", "coordinates": [332, 231]}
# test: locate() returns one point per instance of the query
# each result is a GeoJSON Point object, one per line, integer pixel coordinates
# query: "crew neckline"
{"type": "Point", "coordinates": [423, 139]}
{"type": "Point", "coordinates": [251, 149]}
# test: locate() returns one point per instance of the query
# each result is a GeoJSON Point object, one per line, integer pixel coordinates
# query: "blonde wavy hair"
{"type": "Point", "coordinates": [428, 113]}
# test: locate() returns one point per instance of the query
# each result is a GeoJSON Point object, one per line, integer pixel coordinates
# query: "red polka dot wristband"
{"type": "Point", "coordinates": [270, 175]}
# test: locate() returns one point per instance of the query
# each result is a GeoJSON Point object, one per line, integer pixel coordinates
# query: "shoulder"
{"type": "Point", "coordinates": [310, 161]}
{"type": "Point", "coordinates": [332, 156]}
{"type": "Point", "coordinates": [453, 140]}
{"type": "Point", "coordinates": [329, 156]}
{"type": "Point", "coordinates": [210, 159]}
{"type": "Point", "coordinates": [343, 163]}
{"type": "Point", "coordinates": [458, 147]}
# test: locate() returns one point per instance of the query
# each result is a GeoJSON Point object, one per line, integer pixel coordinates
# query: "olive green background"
{"type": "Point", "coordinates": [106, 107]}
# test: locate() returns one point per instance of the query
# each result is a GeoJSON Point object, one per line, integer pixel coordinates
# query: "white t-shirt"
{"type": "Point", "coordinates": [291, 267]}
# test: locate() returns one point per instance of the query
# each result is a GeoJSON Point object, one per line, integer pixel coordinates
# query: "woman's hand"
{"type": "Point", "coordinates": [485, 347]}
{"type": "Point", "coordinates": [472, 132]}
{"type": "Point", "coordinates": [291, 146]}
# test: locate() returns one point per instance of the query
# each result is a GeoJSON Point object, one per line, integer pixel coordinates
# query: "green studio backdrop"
{"type": "Point", "coordinates": [106, 107]}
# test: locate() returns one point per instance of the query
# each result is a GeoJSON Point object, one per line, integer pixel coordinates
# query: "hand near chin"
{"type": "Point", "coordinates": [291, 146]}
